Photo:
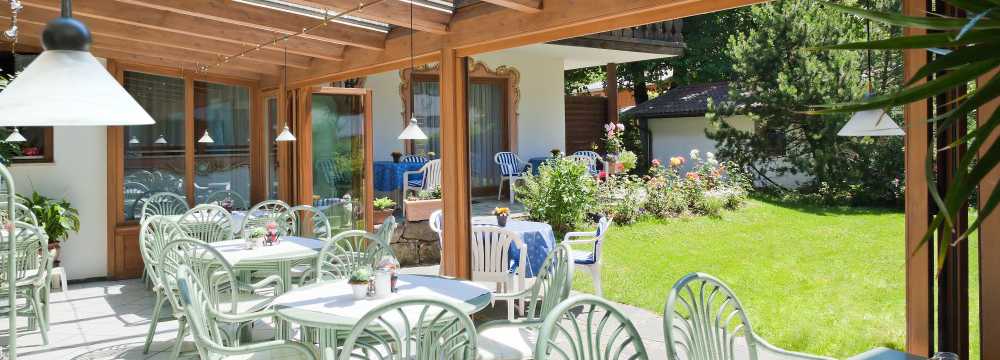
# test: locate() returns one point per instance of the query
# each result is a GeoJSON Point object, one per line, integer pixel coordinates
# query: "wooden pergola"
{"type": "Point", "coordinates": [187, 34]}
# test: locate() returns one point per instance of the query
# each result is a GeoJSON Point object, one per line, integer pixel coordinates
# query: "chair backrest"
{"type": "Point", "coordinates": [266, 212]}
{"type": "Point", "coordinates": [31, 260]}
{"type": "Point", "coordinates": [163, 203]}
{"type": "Point", "coordinates": [412, 328]}
{"type": "Point", "coordinates": [385, 231]}
{"type": "Point", "coordinates": [510, 164]}
{"type": "Point", "coordinates": [328, 170]}
{"type": "Point", "coordinates": [208, 222]}
{"type": "Point", "coordinates": [490, 249]}
{"type": "Point", "coordinates": [413, 159]}
{"type": "Point", "coordinates": [21, 213]}
{"type": "Point", "coordinates": [348, 251]}
{"type": "Point", "coordinates": [436, 222]}
{"type": "Point", "coordinates": [311, 222]}
{"type": "Point", "coordinates": [238, 201]}
{"type": "Point", "coordinates": [590, 162]}
{"type": "Point", "coordinates": [591, 154]}
{"type": "Point", "coordinates": [432, 174]}
{"type": "Point", "coordinates": [587, 327]}
{"type": "Point", "coordinates": [552, 283]}
{"type": "Point", "coordinates": [133, 192]}
{"type": "Point", "coordinates": [154, 234]}
{"type": "Point", "coordinates": [702, 319]}
{"type": "Point", "coordinates": [195, 299]}
{"type": "Point", "coordinates": [208, 265]}
{"type": "Point", "coordinates": [602, 229]}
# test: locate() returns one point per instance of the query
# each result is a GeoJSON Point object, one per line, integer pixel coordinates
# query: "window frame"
{"type": "Point", "coordinates": [47, 150]}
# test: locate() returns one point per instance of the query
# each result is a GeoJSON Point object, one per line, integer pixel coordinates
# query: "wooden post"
{"type": "Point", "coordinates": [611, 90]}
{"type": "Point", "coordinates": [989, 249]}
{"type": "Point", "coordinates": [455, 257]}
{"type": "Point", "coordinates": [919, 264]}
{"type": "Point", "coordinates": [303, 147]}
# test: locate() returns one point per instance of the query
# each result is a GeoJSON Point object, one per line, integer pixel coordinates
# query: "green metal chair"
{"type": "Point", "coordinates": [311, 222]}
{"type": "Point", "coordinates": [198, 301]}
{"type": "Point", "coordinates": [31, 277]}
{"type": "Point", "coordinates": [207, 222]}
{"type": "Point", "coordinates": [21, 213]}
{"type": "Point", "coordinates": [587, 327]}
{"type": "Point", "coordinates": [266, 212]}
{"type": "Point", "coordinates": [163, 203]}
{"type": "Point", "coordinates": [515, 339]}
{"type": "Point", "coordinates": [703, 319]}
{"type": "Point", "coordinates": [235, 302]}
{"type": "Point", "coordinates": [154, 234]}
{"type": "Point", "coordinates": [412, 329]}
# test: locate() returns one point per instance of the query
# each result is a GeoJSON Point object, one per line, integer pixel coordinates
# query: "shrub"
{"type": "Point", "coordinates": [560, 195]}
{"type": "Point", "coordinates": [622, 198]}
{"type": "Point", "coordinates": [628, 160]}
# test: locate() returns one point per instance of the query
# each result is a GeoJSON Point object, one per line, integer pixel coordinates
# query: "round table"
{"type": "Point", "coordinates": [537, 237]}
{"type": "Point", "coordinates": [330, 308]}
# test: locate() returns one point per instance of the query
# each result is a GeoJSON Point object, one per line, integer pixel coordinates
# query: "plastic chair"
{"type": "Point", "coordinates": [31, 276]}
{"type": "Point", "coordinates": [590, 162]}
{"type": "Point", "coordinates": [208, 222]}
{"type": "Point", "coordinates": [154, 234]}
{"type": "Point", "coordinates": [512, 169]}
{"type": "Point", "coordinates": [515, 338]}
{"type": "Point", "coordinates": [436, 222]}
{"type": "Point", "coordinates": [586, 327]}
{"type": "Point", "coordinates": [413, 329]}
{"type": "Point", "coordinates": [348, 251]}
{"type": "Point", "coordinates": [597, 159]}
{"type": "Point", "coordinates": [311, 222]}
{"type": "Point", "coordinates": [703, 319]}
{"type": "Point", "coordinates": [163, 203]}
{"type": "Point", "coordinates": [413, 159]}
{"type": "Point", "coordinates": [21, 213]}
{"type": "Point", "coordinates": [491, 260]}
{"type": "Point", "coordinates": [429, 179]}
{"type": "Point", "coordinates": [266, 212]}
{"type": "Point", "coordinates": [591, 260]}
{"type": "Point", "coordinates": [202, 314]}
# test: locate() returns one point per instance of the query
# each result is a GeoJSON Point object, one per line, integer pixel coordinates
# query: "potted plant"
{"type": "Point", "coordinates": [396, 155]}
{"type": "Point", "coordinates": [431, 155]}
{"type": "Point", "coordinates": [502, 214]}
{"type": "Point", "coordinates": [420, 206]}
{"type": "Point", "coordinates": [359, 282]}
{"type": "Point", "coordinates": [57, 217]}
{"type": "Point", "coordinates": [555, 152]}
{"type": "Point", "coordinates": [383, 208]}
{"type": "Point", "coordinates": [256, 238]}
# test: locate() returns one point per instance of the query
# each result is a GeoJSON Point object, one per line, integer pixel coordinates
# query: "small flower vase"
{"type": "Point", "coordinates": [360, 290]}
{"type": "Point", "coordinates": [501, 220]}
{"type": "Point", "coordinates": [383, 283]}
{"type": "Point", "coordinates": [253, 243]}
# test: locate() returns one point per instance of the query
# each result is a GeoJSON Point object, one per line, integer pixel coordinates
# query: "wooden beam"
{"type": "Point", "coordinates": [526, 6]}
{"type": "Point", "coordinates": [390, 12]}
{"type": "Point", "coordinates": [165, 21]}
{"type": "Point", "coordinates": [919, 264]}
{"type": "Point", "coordinates": [456, 196]}
{"type": "Point", "coordinates": [33, 20]}
{"type": "Point", "coordinates": [611, 91]}
{"type": "Point", "coordinates": [559, 19]}
{"type": "Point", "coordinates": [989, 247]}
{"type": "Point", "coordinates": [256, 17]}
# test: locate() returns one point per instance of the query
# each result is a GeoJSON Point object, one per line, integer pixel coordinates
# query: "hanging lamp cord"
{"type": "Point", "coordinates": [868, 33]}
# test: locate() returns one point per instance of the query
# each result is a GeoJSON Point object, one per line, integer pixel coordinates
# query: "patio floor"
{"type": "Point", "coordinates": [109, 320]}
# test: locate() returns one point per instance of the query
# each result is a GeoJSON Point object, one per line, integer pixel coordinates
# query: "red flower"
{"type": "Point", "coordinates": [602, 175]}
{"type": "Point", "coordinates": [619, 167]}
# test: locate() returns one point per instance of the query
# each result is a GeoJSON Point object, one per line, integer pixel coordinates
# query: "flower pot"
{"type": "Point", "coordinates": [360, 291]}
{"type": "Point", "coordinates": [55, 250]}
{"type": "Point", "coordinates": [502, 220]}
{"type": "Point", "coordinates": [380, 215]}
{"type": "Point", "coordinates": [420, 210]}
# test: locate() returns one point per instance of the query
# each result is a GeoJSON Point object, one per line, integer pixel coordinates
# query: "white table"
{"type": "Point", "coordinates": [280, 258]}
{"type": "Point", "coordinates": [330, 308]}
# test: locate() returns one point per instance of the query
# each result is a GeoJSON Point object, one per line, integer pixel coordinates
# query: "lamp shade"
{"type": "Point", "coordinates": [871, 123]}
{"type": "Point", "coordinates": [15, 137]}
{"type": "Point", "coordinates": [206, 139]}
{"type": "Point", "coordinates": [68, 88]}
{"type": "Point", "coordinates": [160, 140]}
{"type": "Point", "coordinates": [412, 132]}
{"type": "Point", "coordinates": [134, 140]}
{"type": "Point", "coordinates": [285, 135]}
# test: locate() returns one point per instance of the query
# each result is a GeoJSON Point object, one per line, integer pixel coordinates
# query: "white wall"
{"type": "Point", "coordinates": [677, 136]}
{"type": "Point", "coordinates": [541, 109]}
{"type": "Point", "coordinates": [79, 174]}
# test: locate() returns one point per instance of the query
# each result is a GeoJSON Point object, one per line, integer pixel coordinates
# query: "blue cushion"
{"type": "Point", "coordinates": [416, 182]}
{"type": "Point", "coordinates": [583, 258]}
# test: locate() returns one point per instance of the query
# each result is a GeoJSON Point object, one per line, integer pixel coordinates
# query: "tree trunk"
{"type": "Point", "coordinates": [638, 74]}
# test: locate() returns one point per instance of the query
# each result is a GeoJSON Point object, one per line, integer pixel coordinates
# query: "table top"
{"type": "Point", "coordinates": [331, 304]}
{"type": "Point", "coordinates": [288, 248]}
{"type": "Point", "coordinates": [518, 226]}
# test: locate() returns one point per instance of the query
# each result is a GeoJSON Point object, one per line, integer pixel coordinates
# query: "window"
{"type": "Point", "coordinates": [38, 146]}
{"type": "Point", "coordinates": [222, 143]}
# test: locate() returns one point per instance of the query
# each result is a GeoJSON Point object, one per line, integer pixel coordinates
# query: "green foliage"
{"type": "Point", "coordinates": [707, 189]}
{"type": "Point", "coordinates": [622, 198]}
{"type": "Point", "coordinates": [430, 194]}
{"type": "Point", "coordinates": [57, 217]}
{"type": "Point", "coordinates": [360, 276]}
{"type": "Point", "coordinates": [777, 74]}
{"type": "Point", "coordinates": [628, 160]}
{"type": "Point", "coordinates": [384, 203]}
{"type": "Point", "coordinates": [705, 57]}
{"type": "Point", "coordinates": [972, 53]}
{"type": "Point", "coordinates": [258, 232]}
{"type": "Point", "coordinates": [560, 195]}
{"type": "Point", "coordinates": [575, 81]}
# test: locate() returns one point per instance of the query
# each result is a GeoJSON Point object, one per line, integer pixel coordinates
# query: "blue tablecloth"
{"type": "Point", "coordinates": [389, 175]}
{"type": "Point", "coordinates": [538, 238]}
{"type": "Point", "coordinates": [537, 162]}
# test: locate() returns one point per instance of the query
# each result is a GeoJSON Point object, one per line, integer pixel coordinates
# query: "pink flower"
{"type": "Point", "coordinates": [609, 127]}
{"type": "Point", "coordinates": [602, 175]}
{"type": "Point", "coordinates": [619, 167]}
{"type": "Point", "coordinates": [656, 162]}
{"type": "Point", "coordinates": [620, 126]}
{"type": "Point", "coordinates": [693, 176]}
{"type": "Point", "coordinates": [272, 226]}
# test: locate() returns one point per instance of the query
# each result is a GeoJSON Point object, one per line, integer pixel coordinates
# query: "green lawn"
{"type": "Point", "coordinates": [822, 280]}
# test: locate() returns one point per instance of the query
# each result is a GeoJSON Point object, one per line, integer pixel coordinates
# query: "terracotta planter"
{"type": "Point", "coordinates": [419, 210]}
{"type": "Point", "coordinates": [55, 251]}
{"type": "Point", "coordinates": [380, 215]}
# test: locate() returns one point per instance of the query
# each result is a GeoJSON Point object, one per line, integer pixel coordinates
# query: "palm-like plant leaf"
{"type": "Point", "coordinates": [967, 48]}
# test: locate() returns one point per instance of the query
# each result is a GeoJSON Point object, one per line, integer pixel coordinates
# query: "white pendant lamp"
{"type": "Point", "coordinates": [875, 122]}
{"type": "Point", "coordinates": [160, 140]}
{"type": "Point", "coordinates": [285, 135]}
{"type": "Point", "coordinates": [134, 140]}
{"type": "Point", "coordinates": [15, 137]}
{"type": "Point", "coordinates": [67, 86]}
{"type": "Point", "coordinates": [206, 139]}
{"type": "Point", "coordinates": [412, 132]}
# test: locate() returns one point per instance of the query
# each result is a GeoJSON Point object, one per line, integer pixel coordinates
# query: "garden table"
{"type": "Point", "coordinates": [388, 175]}
{"type": "Point", "coordinates": [329, 307]}
{"type": "Point", "coordinates": [537, 237]}
{"type": "Point", "coordinates": [280, 258]}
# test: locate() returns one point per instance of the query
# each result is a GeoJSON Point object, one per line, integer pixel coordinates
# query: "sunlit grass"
{"type": "Point", "coordinates": [823, 280]}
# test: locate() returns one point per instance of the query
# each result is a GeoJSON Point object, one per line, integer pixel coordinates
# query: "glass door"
{"type": "Point", "coordinates": [487, 133]}
{"type": "Point", "coordinates": [340, 124]}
